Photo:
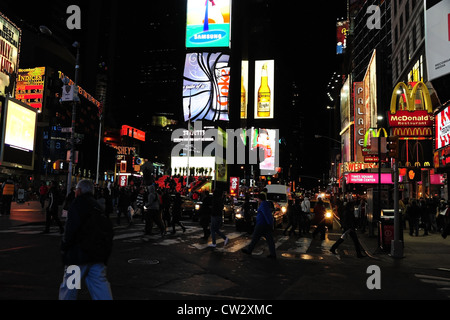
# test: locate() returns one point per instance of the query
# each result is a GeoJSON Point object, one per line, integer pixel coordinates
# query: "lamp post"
{"type": "Point", "coordinates": [76, 44]}
{"type": "Point", "coordinates": [74, 118]}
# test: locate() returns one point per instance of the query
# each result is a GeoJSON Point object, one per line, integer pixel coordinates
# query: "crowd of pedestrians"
{"type": "Point", "coordinates": [430, 215]}
{"type": "Point", "coordinates": [162, 207]}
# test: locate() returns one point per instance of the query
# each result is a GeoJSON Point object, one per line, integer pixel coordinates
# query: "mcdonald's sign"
{"type": "Point", "coordinates": [408, 97]}
{"type": "Point", "coordinates": [413, 132]}
{"type": "Point", "coordinates": [370, 136]}
{"type": "Point", "coordinates": [411, 108]}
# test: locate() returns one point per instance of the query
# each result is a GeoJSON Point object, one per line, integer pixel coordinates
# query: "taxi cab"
{"type": "Point", "coordinates": [328, 212]}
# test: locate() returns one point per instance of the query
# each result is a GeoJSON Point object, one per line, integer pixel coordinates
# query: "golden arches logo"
{"type": "Point", "coordinates": [410, 96]}
{"type": "Point", "coordinates": [375, 134]}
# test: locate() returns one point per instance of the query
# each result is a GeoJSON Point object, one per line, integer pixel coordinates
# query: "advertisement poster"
{"type": "Point", "coordinates": [437, 38]}
{"type": "Point", "coordinates": [30, 86]}
{"type": "Point", "coordinates": [208, 23]}
{"type": "Point", "coordinates": [206, 84]}
{"type": "Point", "coordinates": [341, 36]}
{"type": "Point", "coordinates": [267, 140]}
{"type": "Point", "coordinates": [9, 52]}
{"type": "Point", "coordinates": [244, 89]}
{"type": "Point", "coordinates": [264, 89]}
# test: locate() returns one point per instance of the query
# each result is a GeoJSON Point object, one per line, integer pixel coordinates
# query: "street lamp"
{"type": "Point", "coordinates": [317, 136]}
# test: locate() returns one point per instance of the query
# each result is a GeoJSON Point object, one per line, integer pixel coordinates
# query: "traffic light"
{"type": "Point", "coordinates": [392, 147]}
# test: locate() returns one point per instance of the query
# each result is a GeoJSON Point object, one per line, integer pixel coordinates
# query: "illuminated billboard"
{"type": "Point", "coordinates": [370, 94]}
{"type": "Point", "coordinates": [244, 89]}
{"type": "Point", "coordinates": [19, 131]}
{"type": "Point", "coordinates": [132, 132]}
{"type": "Point", "coordinates": [442, 124]}
{"type": "Point", "coordinates": [206, 84]}
{"type": "Point", "coordinates": [264, 89]}
{"type": "Point", "coordinates": [30, 87]}
{"type": "Point", "coordinates": [208, 23]}
{"type": "Point", "coordinates": [9, 51]}
{"type": "Point", "coordinates": [341, 36]}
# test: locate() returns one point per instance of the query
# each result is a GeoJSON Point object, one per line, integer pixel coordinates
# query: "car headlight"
{"type": "Point", "coordinates": [328, 215]}
{"type": "Point", "coordinates": [283, 209]}
{"type": "Point", "coordinates": [238, 215]}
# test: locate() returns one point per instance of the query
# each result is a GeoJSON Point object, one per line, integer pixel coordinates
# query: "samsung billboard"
{"type": "Point", "coordinates": [208, 23]}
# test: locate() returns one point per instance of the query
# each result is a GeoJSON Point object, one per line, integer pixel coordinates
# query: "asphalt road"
{"type": "Point", "coordinates": [181, 267]}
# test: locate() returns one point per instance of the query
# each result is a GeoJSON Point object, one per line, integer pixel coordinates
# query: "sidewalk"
{"type": "Point", "coordinates": [29, 212]}
{"type": "Point", "coordinates": [422, 251]}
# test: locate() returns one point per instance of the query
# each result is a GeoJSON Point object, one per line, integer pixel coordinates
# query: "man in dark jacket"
{"type": "Point", "coordinates": [263, 227]}
{"type": "Point", "coordinates": [75, 256]}
{"type": "Point", "coordinates": [52, 213]}
{"type": "Point", "coordinates": [346, 213]}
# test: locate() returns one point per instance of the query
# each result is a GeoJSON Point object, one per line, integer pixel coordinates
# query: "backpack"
{"type": "Point", "coordinates": [96, 236]}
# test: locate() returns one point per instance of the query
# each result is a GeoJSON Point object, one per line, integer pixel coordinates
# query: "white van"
{"type": "Point", "coordinates": [278, 193]}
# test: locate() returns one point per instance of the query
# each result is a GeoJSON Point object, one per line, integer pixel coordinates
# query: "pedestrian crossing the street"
{"type": "Point", "coordinates": [288, 247]}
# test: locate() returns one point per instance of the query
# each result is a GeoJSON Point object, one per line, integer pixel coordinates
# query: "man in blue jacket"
{"type": "Point", "coordinates": [263, 227]}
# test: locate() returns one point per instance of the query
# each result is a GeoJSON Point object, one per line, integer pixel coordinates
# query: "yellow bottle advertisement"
{"type": "Point", "coordinates": [264, 89]}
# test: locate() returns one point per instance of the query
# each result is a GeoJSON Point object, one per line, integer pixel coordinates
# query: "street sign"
{"type": "Point", "coordinates": [68, 129]}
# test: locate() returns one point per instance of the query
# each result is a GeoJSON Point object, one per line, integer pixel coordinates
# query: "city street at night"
{"type": "Point", "coordinates": [183, 267]}
{"type": "Point", "coordinates": [221, 158]}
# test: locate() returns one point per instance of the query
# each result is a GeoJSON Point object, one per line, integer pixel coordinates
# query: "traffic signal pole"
{"type": "Point", "coordinates": [396, 244]}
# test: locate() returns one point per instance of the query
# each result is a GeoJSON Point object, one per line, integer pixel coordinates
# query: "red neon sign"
{"type": "Point", "coordinates": [132, 132]}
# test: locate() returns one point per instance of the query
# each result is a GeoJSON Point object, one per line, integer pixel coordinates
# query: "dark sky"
{"type": "Point", "coordinates": [303, 40]}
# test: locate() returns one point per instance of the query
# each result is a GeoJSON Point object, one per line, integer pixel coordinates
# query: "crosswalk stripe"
{"type": "Point", "coordinates": [302, 245]}
{"type": "Point", "coordinates": [292, 246]}
{"type": "Point", "coordinates": [428, 277]}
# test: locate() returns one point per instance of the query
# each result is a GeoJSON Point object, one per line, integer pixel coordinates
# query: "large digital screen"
{"type": "Point", "coordinates": [19, 131]}
{"type": "Point", "coordinates": [208, 23]}
{"type": "Point", "coordinates": [264, 89]}
{"type": "Point", "coordinates": [206, 84]}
